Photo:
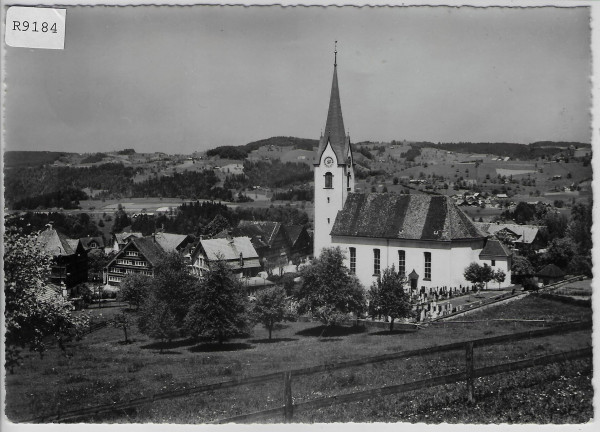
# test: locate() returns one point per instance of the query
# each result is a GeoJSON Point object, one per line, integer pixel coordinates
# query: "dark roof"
{"type": "Point", "coordinates": [292, 233]}
{"type": "Point", "coordinates": [551, 270]}
{"type": "Point", "coordinates": [266, 230]}
{"type": "Point", "coordinates": [494, 248]}
{"type": "Point", "coordinates": [85, 241]}
{"type": "Point", "coordinates": [335, 134]}
{"type": "Point", "coordinates": [149, 248]}
{"type": "Point", "coordinates": [416, 217]}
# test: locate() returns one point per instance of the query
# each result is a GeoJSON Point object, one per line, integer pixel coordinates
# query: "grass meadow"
{"type": "Point", "coordinates": [102, 369]}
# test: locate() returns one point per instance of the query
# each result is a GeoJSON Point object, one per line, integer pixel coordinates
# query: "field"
{"type": "Point", "coordinates": [102, 369]}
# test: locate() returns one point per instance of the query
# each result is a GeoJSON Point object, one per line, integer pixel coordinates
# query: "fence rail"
{"type": "Point", "coordinates": [411, 386]}
{"type": "Point", "coordinates": [327, 367]}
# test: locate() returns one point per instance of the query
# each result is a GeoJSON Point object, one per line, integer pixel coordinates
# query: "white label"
{"type": "Point", "coordinates": [33, 27]}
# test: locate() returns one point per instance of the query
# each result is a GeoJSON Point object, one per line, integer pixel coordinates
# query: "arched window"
{"type": "Point", "coordinates": [348, 181]}
{"type": "Point", "coordinates": [328, 180]}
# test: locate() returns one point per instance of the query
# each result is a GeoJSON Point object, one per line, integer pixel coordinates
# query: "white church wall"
{"type": "Point", "coordinates": [448, 259]}
{"type": "Point", "coordinates": [502, 264]}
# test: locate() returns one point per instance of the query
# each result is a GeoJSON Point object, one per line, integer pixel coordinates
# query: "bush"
{"type": "Point", "coordinates": [529, 284]}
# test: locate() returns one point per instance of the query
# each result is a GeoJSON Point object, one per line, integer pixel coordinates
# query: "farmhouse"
{"type": "Point", "coordinates": [273, 241]}
{"type": "Point", "coordinates": [139, 256]}
{"type": "Point", "coordinates": [69, 259]}
{"type": "Point", "coordinates": [517, 235]}
{"type": "Point", "coordinates": [426, 237]}
{"type": "Point", "coordinates": [119, 240]}
{"type": "Point", "coordinates": [237, 252]}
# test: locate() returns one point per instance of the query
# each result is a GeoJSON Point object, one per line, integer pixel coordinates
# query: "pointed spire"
{"type": "Point", "coordinates": [335, 54]}
{"type": "Point", "coordinates": [334, 133]}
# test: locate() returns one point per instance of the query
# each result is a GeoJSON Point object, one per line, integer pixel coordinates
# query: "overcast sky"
{"type": "Point", "coordinates": [180, 79]}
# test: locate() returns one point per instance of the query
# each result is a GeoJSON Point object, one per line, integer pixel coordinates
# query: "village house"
{"type": "Point", "coordinates": [90, 243]}
{"type": "Point", "coordinates": [139, 256]}
{"type": "Point", "coordinates": [550, 274]}
{"type": "Point", "coordinates": [69, 259]}
{"type": "Point", "coordinates": [237, 252]}
{"type": "Point", "coordinates": [273, 241]}
{"type": "Point", "coordinates": [424, 236]}
{"type": "Point", "coordinates": [518, 236]}
{"type": "Point", "coordinates": [119, 240]}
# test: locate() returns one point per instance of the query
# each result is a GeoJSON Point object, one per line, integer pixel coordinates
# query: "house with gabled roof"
{"type": "Point", "coordinates": [299, 241]}
{"type": "Point", "coordinates": [497, 256]}
{"type": "Point", "coordinates": [426, 237]}
{"type": "Point", "coordinates": [69, 259]}
{"type": "Point", "coordinates": [139, 256]}
{"type": "Point", "coordinates": [90, 243]}
{"type": "Point", "coordinates": [267, 237]}
{"type": "Point", "coordinates": [119, 240]}
{"type": "Point", "coordinates": [517, 235]}
{"type": "Point", "coordinates": [237, 252]}
{"type": "Point", "coordinates": [172, 242]}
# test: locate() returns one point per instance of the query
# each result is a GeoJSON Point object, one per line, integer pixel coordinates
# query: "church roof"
{"type": "Point", "coordinates": [335, 134]}
{"type": "Point", "coordinates": [415, 217]}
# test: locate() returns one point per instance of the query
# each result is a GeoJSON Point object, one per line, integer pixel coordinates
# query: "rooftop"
{"type": "Point", "coordinates": [394, 216]}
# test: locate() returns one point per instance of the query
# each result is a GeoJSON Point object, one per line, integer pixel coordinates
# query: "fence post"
{"type": "Point", "coordinates": [288, 410]}
{"type": "Point", "coordinates": [469, 371]}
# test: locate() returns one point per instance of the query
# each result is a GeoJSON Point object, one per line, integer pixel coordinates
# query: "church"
{"type": "Point", "coordinates": [425, 237]}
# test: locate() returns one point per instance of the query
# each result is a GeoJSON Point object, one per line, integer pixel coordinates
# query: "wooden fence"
{"type": "Point", "coordinates": [287, 408]}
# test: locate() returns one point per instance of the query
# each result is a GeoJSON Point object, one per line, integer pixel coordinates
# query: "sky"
{"type": "Point", "coordinates": [185, 79]}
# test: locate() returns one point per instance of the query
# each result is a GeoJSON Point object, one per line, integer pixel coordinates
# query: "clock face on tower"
{"type": "Point", "coordinates": [328, 161]}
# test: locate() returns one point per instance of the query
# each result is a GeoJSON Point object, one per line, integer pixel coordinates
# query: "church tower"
{"type": "Point", "coordinates": [334, 172]}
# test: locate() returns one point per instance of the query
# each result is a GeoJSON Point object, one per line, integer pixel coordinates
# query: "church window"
{"type": "Point", "coordinates": [376, 261]}
{"type": "Point", "coordinates": [328, 180]}
{"type": "Point", "coordinates": [348, 180]}
{"type": "Point", "coordinates": [401, 262]}
{"type": "Point", "coordinates": [352, 260]}
{"type": "Point", "coordinates": [327, 200]}
{"type": "Point", "coordinates": [427, 266]}
{"type": "Point", "coordinates": [328, 220]}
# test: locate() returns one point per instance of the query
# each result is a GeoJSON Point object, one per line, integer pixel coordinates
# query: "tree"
{"type": "Point", "coordinates": [121, 219]}
{"type": "Point", "coordinates": [560, 252]}
{"type": "Point", "coordinates": [521, 269]}
{"type": "Point", "coordinates": [499, 276]}
{"type": "Point", "coordinates": [580, 265]}
{"type": "Point", "coordinates": [168, 298]}
{"type": "Point", "coordinates": [32, 310]}
{"type": "Point", "coordinates": [270, 307]}
{"type": "Point", "coordinates": [134, 289]}
{"type": "Point", "coordinates": [219, 307]}
{"type": "Point", "coordinates": [580, 227]}
{"type": "Point", "coordinates": [97, 260]}
{"type": "Point", "coordinates": [389, 297]}
{"type": "Point", "coordinates": [157, 320]}
{"type": "Point", "coordinates": [328, 290]}
{"type": "Point", "coordinates": [122, 321]}
{"type": "Point", "coordinates": [478, 275]}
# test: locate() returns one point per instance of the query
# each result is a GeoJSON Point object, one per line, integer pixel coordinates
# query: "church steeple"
{"type": "Point", "coordinates": [335, 134]}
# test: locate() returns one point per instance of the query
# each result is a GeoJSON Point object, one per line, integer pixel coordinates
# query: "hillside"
{"type": "Point", "coordinates": [19, 159]}
{"type": "Point", "coordinates": [241, 152]}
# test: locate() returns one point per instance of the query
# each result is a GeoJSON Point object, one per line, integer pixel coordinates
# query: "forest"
{"type": "Point", "coordinates": [209, 218]}
{"type": "Point", "coordinates": [241, 152]}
